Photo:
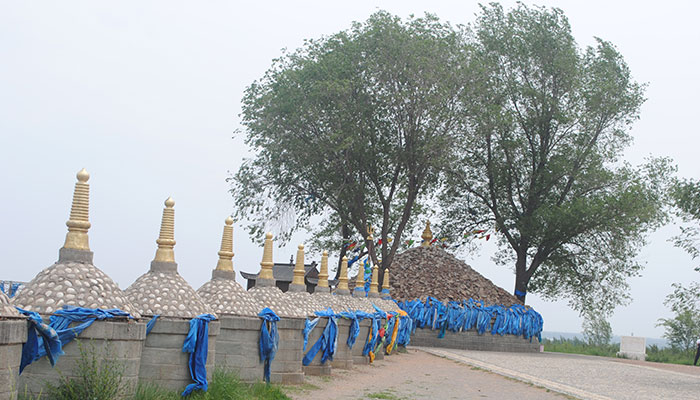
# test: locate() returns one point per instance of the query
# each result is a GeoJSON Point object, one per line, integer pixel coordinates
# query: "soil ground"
{"type": "Point", "coordinates": [416, 375]}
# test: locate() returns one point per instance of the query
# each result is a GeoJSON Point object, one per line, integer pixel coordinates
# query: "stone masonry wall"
{"type": "Point", "coordinates": [164, 363]}
{"type": "Point", "coordinates": [237, 349]}
{"type": "Point", "coordinates": [13, 333]}
{"type": "Point", "coordinates": [286, 367]}
{"type": "Point", "coordinates": [357, 357]}
{"type": "Point", "coordinates": [471, 340]}
{"type": "Point", "coordinates": [315, 367]}
{"type": "Point", "coordinates": [343, 358]}
{"type": "Point", "coordinates": [119, 341]}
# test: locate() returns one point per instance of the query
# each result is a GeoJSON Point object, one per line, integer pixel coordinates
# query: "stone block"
{"type": "Point", "coordinates": [633, 347]}
{"type": "Point", "coordinates": [13, 331]}
{"type": "Point", "coordinates": [317, 370]}
{"type": "Point", "coordinates": [163, 361]}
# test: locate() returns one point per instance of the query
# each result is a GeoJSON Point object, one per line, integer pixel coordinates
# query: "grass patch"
{"type": "Point", "coordinates": [577, 346]}
{"type": "Point", "coordinates": [224, 385]}
{"type": "Point", "coordinates": [98, 377]}
{"type": "Point", "coordinates": [667, 355]}
{"type": "Point", "coordinates": [387, 395]}
{"type": "Point", "coordinates": [670, 355]}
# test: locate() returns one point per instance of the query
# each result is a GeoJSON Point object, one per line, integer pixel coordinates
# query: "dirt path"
{"type": "Point", "coordinates": [416, 375]}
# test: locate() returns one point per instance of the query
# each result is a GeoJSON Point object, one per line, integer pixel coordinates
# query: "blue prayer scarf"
{"type": "Point", "coordinates": [269, 339]}
{"type": "Point", "coordinates": [197, 344]}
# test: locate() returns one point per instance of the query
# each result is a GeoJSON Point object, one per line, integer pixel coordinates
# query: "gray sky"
{"type": "Point", "coordinates": [146, 96]}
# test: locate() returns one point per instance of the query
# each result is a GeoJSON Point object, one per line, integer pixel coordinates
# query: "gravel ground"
{"type": "Point", "coordinates": [587, 377]}
{"type": "Point", "coordinates": [416, 375]}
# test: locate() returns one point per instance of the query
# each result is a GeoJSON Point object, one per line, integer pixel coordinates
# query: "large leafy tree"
{"type": "Point", "coordinates": [686, 198]}
{"type": "Point", "coordinates": [352, 129]}
{"type": "Point", "coordinates": [684, 328]}
{"type": "Point", "coordinates": [540, 163]}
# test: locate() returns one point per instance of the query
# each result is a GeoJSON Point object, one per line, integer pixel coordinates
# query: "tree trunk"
{"type": "Point", "coordinates": [345, 232]}
{"type": "Point", "coordinates": [521, 276]}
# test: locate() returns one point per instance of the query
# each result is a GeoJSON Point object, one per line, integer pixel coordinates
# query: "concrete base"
{"type": "Point", "coordinates": [13, 334]}
{"type": "Point", "coordinates": [120, 341]}
{"type": "Point", "coordinates": [357, 357]}
{"type": "Point", "coordinates": [164, 363]}
{"type": "Point", "coordinates": [343, 358]}
{"type": "Point", "coordinates": [238, 349]}
{"type": "Point", "coordinates": [286, 367]}
{"type": "Point", "coordinates": [317, 370]}
{"type": "Point", "coordinates": [315, 367]}
{"type": "Point", "coordinates": [471, 340]}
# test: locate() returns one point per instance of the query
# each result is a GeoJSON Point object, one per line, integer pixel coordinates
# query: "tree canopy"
{"type": "Point", "coordinates": [351, 128]}
{"type": "Point", "coordinates": [686, 198]}
{"type": "Point", "coordinates": [520, 129]}
{"type": "Point", "coordinates": [540, 158]}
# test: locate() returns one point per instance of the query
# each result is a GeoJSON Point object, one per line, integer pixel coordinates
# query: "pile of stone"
{"type": "Point", "coordinates": [431, 271]}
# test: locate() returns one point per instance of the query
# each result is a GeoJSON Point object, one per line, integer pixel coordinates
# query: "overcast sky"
{"type": "Point", "coordinates": [146, 96]}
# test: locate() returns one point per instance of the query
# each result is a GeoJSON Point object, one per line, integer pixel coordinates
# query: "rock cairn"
{"type": "Point", "coordinates": [162, 290]}
{"type": "Point", "coordinates": [73, 280]}
{"type": "Point", "coordinates": [431, 271]}
{"type": "Point", "coordinates": [222, 292]}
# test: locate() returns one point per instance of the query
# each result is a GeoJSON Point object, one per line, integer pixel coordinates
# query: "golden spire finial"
{"type": "Point", "coordinates": [298, 283]}
{"type": "Point", "coordinates": [385, 284]}
{"type": "Point", "coordinates": [374, 285]}
{"type": "Point", "coordinates": [78, 223]}
{"type": "Point", "coordinates": [370, 233]}
{"type": "Point", "coordinates": [427, 235]}
{"type": "Point", "coordinates": [225, 262]}
{"type": "Point", "coordinates": [266, 264]}
{"type": "Point", "coordinates": [323, 275]}
{"type": "Point", "coordinates": [343, 279]}
{"type": "Point", "coordinates": [166, 239]}
{"type": "Point", "coordinates": [360, 277]}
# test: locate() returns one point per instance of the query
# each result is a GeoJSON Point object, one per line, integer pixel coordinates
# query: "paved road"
{"type": "Point", "coordinates": [416, 375]}
{"type": "Point", "coordinates": [586, 377]}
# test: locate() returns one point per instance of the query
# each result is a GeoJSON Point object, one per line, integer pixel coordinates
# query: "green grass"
{"type": "Point", "coordinates": [667, 355]}
{"type": "Point", "coordinates": [386, 395]}
{"type": "Point", "coordinates": [97, 377]}
{"type": "Point", "coordinates": [577, 346]}
{"type": "Point", "coordinates": [670, 355]}
{"type": "Point", "coordinates": [224, 385]}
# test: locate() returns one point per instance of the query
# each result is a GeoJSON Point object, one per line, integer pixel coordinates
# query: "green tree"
{"type": "Point", "coordinates": [684, 328]}
{"type": "Point", "coordinates": [539, 160]}
{"type": "Point", "coordinates": [596, 328]}
{"type": "Point", "coordinates": [352, 128]}
{"type": "Point", "coordinates": [686, 197]}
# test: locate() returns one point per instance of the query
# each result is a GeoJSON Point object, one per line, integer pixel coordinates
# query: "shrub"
{"type": "Point", "coordinates": [97, 377]}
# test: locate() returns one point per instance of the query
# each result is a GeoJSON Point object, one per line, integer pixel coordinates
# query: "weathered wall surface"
{"type": "Point", "coordinates": [238, 349]}
{"type": "Point", "coordinates": [13, 334]}
{"type": "Point", "coordinates": [471, 340]}
{"type": "Point", "coordinates": [164, 363]}
{"type": "Point", "coordinates": [118, 341]}
{"type": "Point", "coordinates": [316, 367]}
{"type": "Point", "coordinates": [343, 358]}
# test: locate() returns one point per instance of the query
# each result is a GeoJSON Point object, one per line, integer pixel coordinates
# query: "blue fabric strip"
{"type": "Point", "coordinates": [269, 339]}
{"type": "Point", "coordinates": [151, 323]}
{"type": "Point", "coordinates": [197, 344]}
{"type": "Point", "coordinates": [48, 340]}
